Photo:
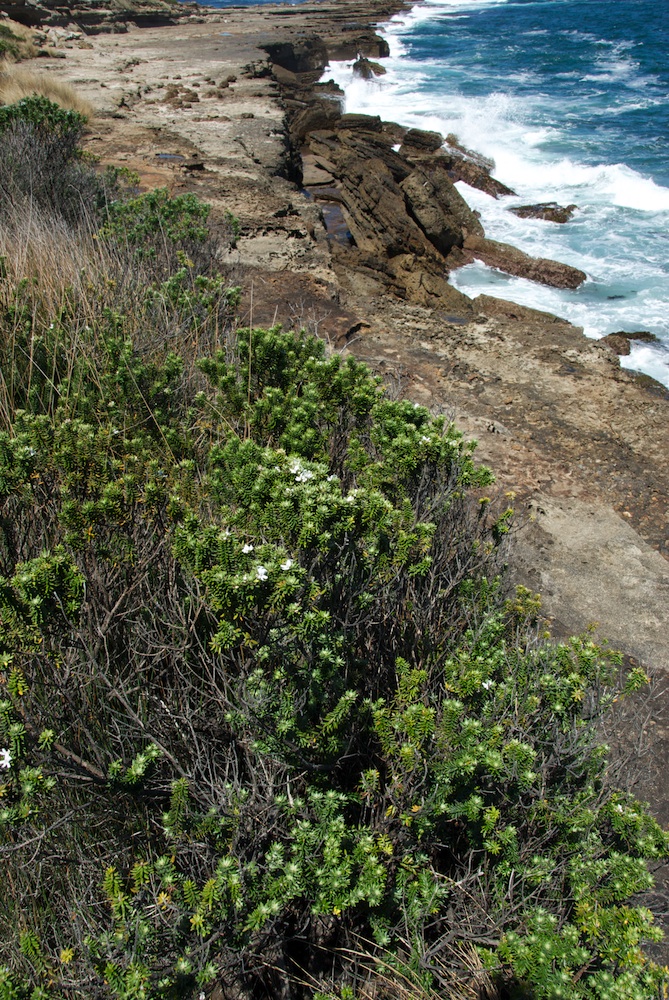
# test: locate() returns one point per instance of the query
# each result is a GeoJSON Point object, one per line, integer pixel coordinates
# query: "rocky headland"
{"type": "Point", "coordinates": [349, 227]}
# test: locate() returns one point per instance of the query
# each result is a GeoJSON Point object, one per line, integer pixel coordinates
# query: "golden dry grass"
{"type": "Point", "coordinates": [22, 42]}
{"type": "Point", "coordinates": [46, 251]}
{"type": "Point", "coordinates": [17, 82]}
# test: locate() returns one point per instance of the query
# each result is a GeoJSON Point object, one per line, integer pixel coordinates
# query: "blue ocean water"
{"type": "Point", "coordinates": [571, 100]}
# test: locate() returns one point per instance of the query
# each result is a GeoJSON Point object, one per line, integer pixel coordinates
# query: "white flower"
{"type": "Point", "coordinates": [333, 479]}
{"type": "Point", "coordinates": [424, 440]}
{"type": "Point", "coordinates": [304, 476]}
{"type": "Point", "coordinates": [247, 548]}
{"type": "Point", "coordinates": [487, 685]}
{"type": "Point", "coordinates": [295, 466]}
{"type": "Point", "coordinates": [226, 533]}
{"type": "Point", "coordinates": [262, 573]}
{"type": "Point", "coordinates": [5, 759]}
{"type": "Point", "coordinates": [287, 564]}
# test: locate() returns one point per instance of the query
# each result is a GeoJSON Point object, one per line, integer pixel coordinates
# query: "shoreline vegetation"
{"type": "Point", "coordinates": [279, 712]}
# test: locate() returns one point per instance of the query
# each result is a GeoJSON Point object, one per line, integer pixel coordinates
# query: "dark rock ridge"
{"type": "Point", "coordinates": [548, 210]}
{"type": "Point", "coordinates": [408, 224]}
{"type": "Point", "coordinates": [92, 16]}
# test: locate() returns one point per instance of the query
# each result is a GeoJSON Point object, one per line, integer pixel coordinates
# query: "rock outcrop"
{"type": "Point", "coordinates": [93, 16]}
{"type": "Point", "coordinates": [366, 69]}
{"type": "Point", "coordinates": [438, 207]}
{"type": "Point", "coordinates": [403, 210]}
{"type": "Point", "coordinates": [513, 261]}
{"type": "Point", "coordinates": [621, 341]}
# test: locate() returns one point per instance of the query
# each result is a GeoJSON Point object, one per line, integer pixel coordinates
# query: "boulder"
{"type": "Point", "coordinates": [376, 209]}
{"type": "Point", "coordinates": [306, 55]}
{"type": "Point", "coordinates": [620, 342]}
{"type": "Point", "coordinates": [439, 209]}
{"type": "Point", "coordinates": [367, 274]}
{"type": "Point", "coordinates": [548, 210]}
{"type": "Point", "coordinates": [367, 123]}
{"type": "Point", "coordinates": [332, 146]}
{"type": "Point", "coordinates": [513, 261]}
{"type": "Point", "coordinates": [319, 115]}
{"type": "Point", "coordinates": [418, 141]}
{"type": "Point", "coordinates": [366, 69]}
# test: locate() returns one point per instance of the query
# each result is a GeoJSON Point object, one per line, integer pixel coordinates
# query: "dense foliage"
{"type": "Point", "coordinates": [266, 724]}
{"type": "Point", "coordinates": [48, 118]}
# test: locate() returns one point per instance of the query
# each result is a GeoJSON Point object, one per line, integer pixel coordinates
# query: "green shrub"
{"type": "Point", "coordinates": [155, 216]}
{"type": "Point", "coordinates": [262, 700]}
{"type": "Point", "coordinates": [10, 44]}
{"type": "Point", "coordinates": [40, 162]}
{"type": "Point", "coordinates": [44, 116]}
{"type": "Point", "coordinates": [169, 231]}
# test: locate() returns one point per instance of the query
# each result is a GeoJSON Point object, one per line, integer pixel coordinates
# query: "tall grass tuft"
{"type": "Point", "coordinates": [17, 82]}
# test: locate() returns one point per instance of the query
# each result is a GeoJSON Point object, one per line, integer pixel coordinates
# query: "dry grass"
{"type": "Point", "coordinates": [16, 42]}
{"type": "Point", "coordinates": [458, 974]}
{"type": "Point", "coordinates": [65, 282]}
{"type": "Point", "coordinates": [45, 250]}
{"type": "Point", "coordinates": [17, 82]}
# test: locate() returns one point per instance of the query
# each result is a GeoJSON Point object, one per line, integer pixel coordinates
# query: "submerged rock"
{"type": "Point", "coordinates": [548, 210]}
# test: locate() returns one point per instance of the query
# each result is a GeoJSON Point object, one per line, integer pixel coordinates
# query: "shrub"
{"type": "Point", "coordinates": [45, 116]}
{"type": "Point", "coordinates": [40, 162]}
{"type": "Point", "coordinates": [15, 43]}
{"type": "Point", "coordinates": [265, 718]}
{"type": "Point", "coordinates": [262, 700]}
{"type": "Point", "coordinates": [167, 230]}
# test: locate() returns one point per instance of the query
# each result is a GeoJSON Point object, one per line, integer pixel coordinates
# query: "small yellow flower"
{"type": "Point", "coordinates": [66, 955]}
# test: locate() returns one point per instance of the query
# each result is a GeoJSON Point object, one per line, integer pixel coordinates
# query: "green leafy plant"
{"type": "Point", "coordinates": [266, 717]}
{"type": "Point", "coordinates": [45, 116]}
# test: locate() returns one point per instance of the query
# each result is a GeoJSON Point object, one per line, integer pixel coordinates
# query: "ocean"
{"type": "Point", "coordinates": [570, 98]}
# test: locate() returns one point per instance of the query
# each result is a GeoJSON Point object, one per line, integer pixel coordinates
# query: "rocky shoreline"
{"type": "Point", "coordinates": [227, 104]}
